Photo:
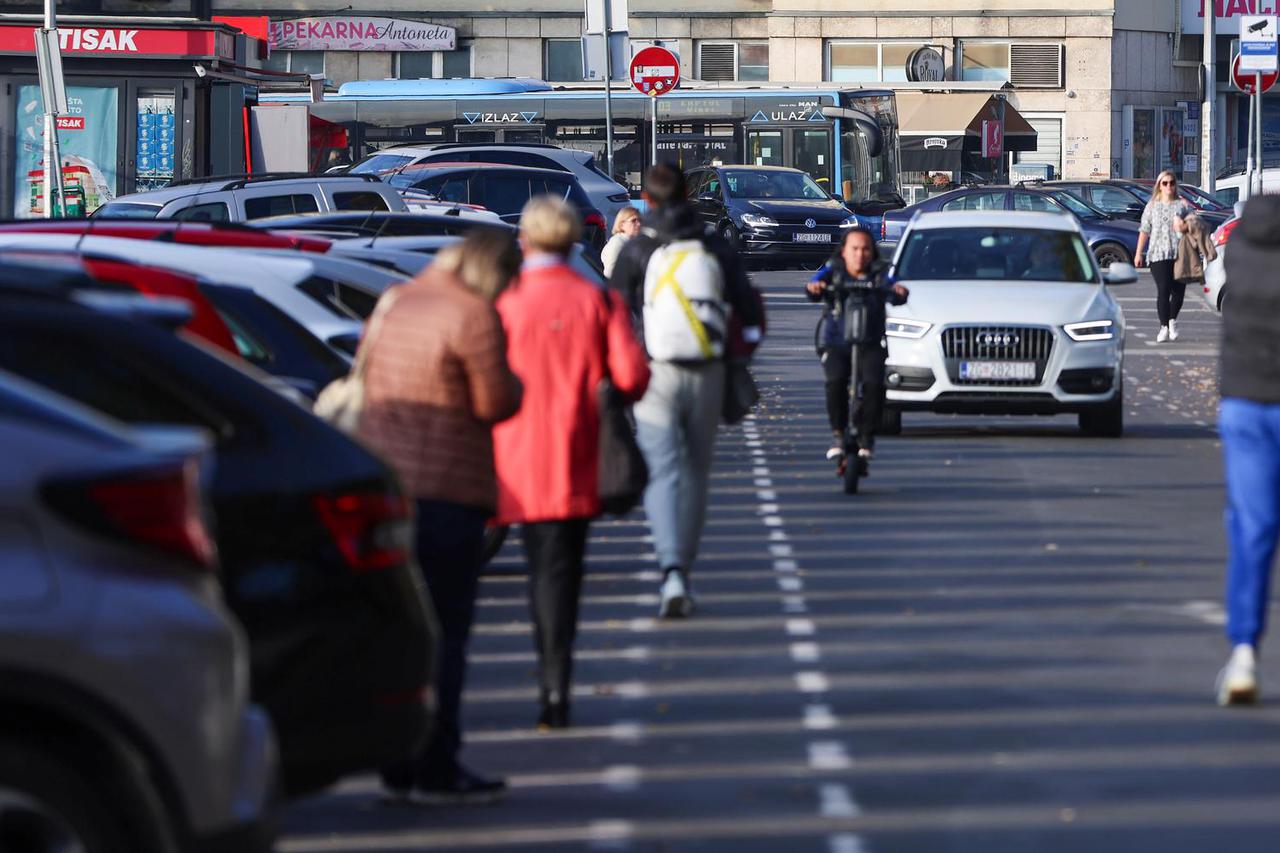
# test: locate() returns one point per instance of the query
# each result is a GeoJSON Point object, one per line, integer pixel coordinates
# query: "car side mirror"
{"type": "Point", "coordinates": [1134, 208]}
{"type": "Point", "coordinates": [1120, 274]}
{"type": "Point", "coordinates": [707, 197]}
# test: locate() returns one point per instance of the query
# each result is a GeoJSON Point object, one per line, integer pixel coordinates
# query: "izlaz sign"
{"type": "Point", "coordinates": [343, 32]}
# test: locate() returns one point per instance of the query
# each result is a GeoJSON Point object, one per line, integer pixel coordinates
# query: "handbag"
{"type": "Point", "coordinates": [341, 402]}
{"type": "Point", "coordinates": [740, 391]}
{"type": "Point", "coordinates": [622, 473]}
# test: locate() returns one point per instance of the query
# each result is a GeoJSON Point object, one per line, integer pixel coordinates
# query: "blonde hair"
{"type": "Point", "coordinates": [550, 224]}
{"type": "Point", "coordinates": [485, 260]}
{"type": "Point", "coordinates": [1156, 193]}
{"type": "Point", "coordinates": [624, 216]}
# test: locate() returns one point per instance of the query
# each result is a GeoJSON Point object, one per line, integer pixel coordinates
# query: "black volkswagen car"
{"type": "Point", "coordinates": [770, 213]}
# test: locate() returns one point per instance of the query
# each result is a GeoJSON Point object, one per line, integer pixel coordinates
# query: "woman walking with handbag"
{"type": "Point", "coordinates": [1159, 235]}
{"type": "Point", "coordinates": [566, 337]}
{"type": "Point", "coordinates": [436, 380]}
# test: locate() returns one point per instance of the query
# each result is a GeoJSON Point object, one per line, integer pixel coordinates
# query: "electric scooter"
{"type": "Point", "coordinates": [853, 308]}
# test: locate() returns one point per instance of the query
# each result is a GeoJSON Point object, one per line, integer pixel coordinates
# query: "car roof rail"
{"type": "Point", "coordinates": [232, 182]}
{"type": "Point", "coordinates": [444, 145]}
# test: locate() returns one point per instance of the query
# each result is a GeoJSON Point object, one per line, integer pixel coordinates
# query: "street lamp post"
{"type": "Point", "coordinates": [47, 49]}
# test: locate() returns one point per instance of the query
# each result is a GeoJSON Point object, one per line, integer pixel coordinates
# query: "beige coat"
{"type": "Point", "coordinates": [1195, 249]}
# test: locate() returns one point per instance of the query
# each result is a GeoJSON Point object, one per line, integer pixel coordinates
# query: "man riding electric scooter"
{"type": "Point", "coordinates": [851, 343]}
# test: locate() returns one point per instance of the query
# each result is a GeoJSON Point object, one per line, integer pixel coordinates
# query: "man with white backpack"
{"type": "Point", "coordinates": [683, 284]}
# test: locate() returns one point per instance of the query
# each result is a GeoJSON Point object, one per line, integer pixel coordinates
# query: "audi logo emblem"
{"type": "Point", "coordinates": [992, 339]}
{"type": "Point", "coordinates": [810, 223]}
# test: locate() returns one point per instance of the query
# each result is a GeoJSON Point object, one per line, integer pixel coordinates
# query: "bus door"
{"type": "Point", "coordinates": [805, 148]}
{"type": "Point", "coordinates": [522, 135]}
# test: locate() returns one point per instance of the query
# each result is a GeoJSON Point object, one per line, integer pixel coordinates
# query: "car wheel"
{"type": "Point", "coordinates": [890, 421]}
{"type": "Point", "coordinates": [46, 805]}
{"type": "Point", "coordinates": [1222, 299]}
{"type": "Point", "coordinates": [1111, 253]}
{"type": "Point", "coordinates": [493, 539]}
{"type": "Point", "coordinates": [1106, 421]}
{"type": "Point", "coordinates": [730, 235]}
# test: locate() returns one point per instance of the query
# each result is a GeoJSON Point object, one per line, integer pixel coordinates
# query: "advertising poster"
{"type": "Point", "coordinates": [1171, 147]}
{"type": "Point", "coordinates": [1144, 144]}
{"type": "Point", "coordinates": [88, 136]}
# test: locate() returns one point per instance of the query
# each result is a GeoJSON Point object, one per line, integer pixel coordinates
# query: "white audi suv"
{"type": "Point", "coordinates": [1009, 314]}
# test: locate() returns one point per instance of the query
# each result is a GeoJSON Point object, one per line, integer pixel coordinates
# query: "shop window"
{"type": "Point", "coordinates": [296, 61]}
{"type": "Point", "coordinates": [727, 60]}
{"type": "Point", "coordinates": [434, 64]}
{"type": "Point", "coordinates": [849, 62]}
{"type": "Point", "coordinates": [563, 61]}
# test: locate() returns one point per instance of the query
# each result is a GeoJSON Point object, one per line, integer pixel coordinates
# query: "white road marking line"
{"type": "Point", "coordinates": [801, 627]}
{"type": "Point", "coordinates": [760, 472]}
{"type": "Point", "coordinates": [838, 802]}
{"type": "Point", "coordinates": [790, 584]}
{"type": "Point", "coordinates": [766, 495]}
{"type": "Point", "coordinates": [846, 842]}
{"type": "Point", "coordinates": [627, 731]}
{"type": "Point", "coordinates": [631, 690]}
{"type": "Point", "coordinates": [794, 604]}
{"type": "Point", "coordinates": [806, 652]}
{"type": "Point", "coordinates": [828, 755]}
{"type": "Point", "coordinates": [772, 521]}
{"type": "Point", "coordinates": [763, 482]}
{"type": "Point", "coordinates": [777, 536]}
{"type": "Point", "coordinates": [785, 565]}
{"type": "Point", "coordinates": [780, 551]}
{"type": "Point", "coordinates": [603, 831]}
{"type": "Point", "coordinates": [621, 777]}
{"type": "Point", "coordinates": [642, 626]}
{"type": "Point", "coordinates": [635, 653]}
{"type": "Point", "coordinates": [767, 509]}
{"type": "Point", "coordinates": [812, 682]}
{"type": "Point", "coordinates": [819, 718]}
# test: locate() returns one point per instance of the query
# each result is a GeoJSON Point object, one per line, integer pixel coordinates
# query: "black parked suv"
{"type": "Point", "coordinates": [313, 531]}
{"type": "Point", "coordinates": [503, 190]}
{"type": "Point", "coordinates": [770, 213]}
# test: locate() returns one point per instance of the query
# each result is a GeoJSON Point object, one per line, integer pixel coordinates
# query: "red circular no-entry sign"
{"type": "Point", "coordinates": [654, 71]}
{"type": "Point", "coordinates": [1244, 80]}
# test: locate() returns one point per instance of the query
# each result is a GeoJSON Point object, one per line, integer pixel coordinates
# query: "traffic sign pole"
{"type": "Point", "coordinates": [1257, 126]}
{"type": "Point", "coordinates": [653, 99]}
{"type": "Point", "coordinates": [1207, 176]}
{"type": "Point", "coordinates": [654, 71]}
{"type": "Point", "coordinates": [608, 90]}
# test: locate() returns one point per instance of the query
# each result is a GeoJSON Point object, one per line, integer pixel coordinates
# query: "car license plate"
{"type": "Point", "coordinates": [813, 238]}
{"type": "Point", "coordinates": [999, 370]}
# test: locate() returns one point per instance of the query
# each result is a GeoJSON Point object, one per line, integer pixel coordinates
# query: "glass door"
{"type": "Point", "coordinates": [812, 154]}
{"type": "Point", "coordinates": [156, 138]}
{"type": "Point", "coordinates": [765, 148]}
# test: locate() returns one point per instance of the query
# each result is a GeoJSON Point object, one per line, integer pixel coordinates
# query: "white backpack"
{"type": "Point", "coordinates": [685, 314]}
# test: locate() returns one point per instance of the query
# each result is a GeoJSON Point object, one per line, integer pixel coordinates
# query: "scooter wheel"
{"type": "Point", "coordinates": [852, 473]}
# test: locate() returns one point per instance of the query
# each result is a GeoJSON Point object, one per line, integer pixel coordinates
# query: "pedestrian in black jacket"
{"type": "Point", "coordinates": [684, 304]}
{"type": "Point", "coordinates": [1249, 423]}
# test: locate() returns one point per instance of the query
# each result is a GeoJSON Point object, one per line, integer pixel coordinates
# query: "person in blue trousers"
{"type": "Point", "coordinates": [1249, 423]}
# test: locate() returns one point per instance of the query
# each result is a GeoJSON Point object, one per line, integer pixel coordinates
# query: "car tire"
{"type": "Point", "coordinates": [730, 235]}
{"type": "Point", "coordinates": [890, 421]}
{"type": "Point", "coordinates": [1222, 299]}
{"type": "Point", "coordinates": [494, 537]}
{"type": "Point", "coordinates": [1111, 253]}
{"type": "Point", "coordinates": [1106, 421]}
{"type": "Point", "coordinates": [45, 804]}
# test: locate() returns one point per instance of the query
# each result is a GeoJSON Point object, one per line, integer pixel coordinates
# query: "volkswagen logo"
{"type": "Point", "coordinates": [998, 339]}
{"type": "Point", "coordinates": [810, 223]}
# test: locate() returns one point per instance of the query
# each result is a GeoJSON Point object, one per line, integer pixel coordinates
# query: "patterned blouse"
{"type": "Point", "coordinates": [1157, 223]}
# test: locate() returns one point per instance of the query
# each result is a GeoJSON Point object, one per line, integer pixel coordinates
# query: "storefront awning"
{"type": "Point", "coordinates": [936, 130]}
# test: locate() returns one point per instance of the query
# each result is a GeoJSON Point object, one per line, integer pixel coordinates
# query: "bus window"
{"type": "Point", "coordinates": [813, 155]}
{"type": "Point", "coordinates": [764, 148]}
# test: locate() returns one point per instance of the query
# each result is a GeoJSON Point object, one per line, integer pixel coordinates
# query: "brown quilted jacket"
{"type": "Point", "coordinates": [436, 381]}
{"type": "Point", "coordinates": [1194, 245]}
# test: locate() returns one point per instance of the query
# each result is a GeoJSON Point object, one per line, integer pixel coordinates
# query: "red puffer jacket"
{"type": "Point", "coordinates": [564, 335]}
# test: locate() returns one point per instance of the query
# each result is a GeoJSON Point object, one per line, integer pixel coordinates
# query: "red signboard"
{"type": "Point", "coordinates": [992, 139]}
{"type": "Point", "coordinates": [70, 122]}
{"type": "Point", "coordinates": [655, 71]}
{"type": "Point", "coordinates": [1244, 80]}
{"type": "Point", "coordinates": [124, 41]}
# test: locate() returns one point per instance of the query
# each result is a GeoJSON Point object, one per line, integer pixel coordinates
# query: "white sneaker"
{"type": "Point", "coordinates": [835, 453]}
{"type": "Point", "coordinates": [1162, 335]}
{"type": "Point", "coordinates": [676, 600]}
{"type": "Point", "coordinates": [1173, 330]}
{"type": "Point", "coordinates": [1238, 681]}
{"type": "Point", "coordinates": [865, 453]}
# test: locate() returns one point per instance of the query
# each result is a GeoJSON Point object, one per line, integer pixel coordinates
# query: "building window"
{"type": "Point", "coordinates": [563, 60]}
{"type": "Point", "coordinates": [985, 62]}
{"type": "Point", "coordinates": [296, 61]}
{"type": "Point", "coordinates": [727, 60]}
{"type": "Point", "coordinates": [1025, 65]}
{"type": "Point", "coordinates": [434, 64]}
{"type": "Point", "coordinates": [851, 62]}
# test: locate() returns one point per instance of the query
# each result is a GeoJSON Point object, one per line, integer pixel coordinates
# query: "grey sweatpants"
{"type": "Point", "coordinates": [676, 424]}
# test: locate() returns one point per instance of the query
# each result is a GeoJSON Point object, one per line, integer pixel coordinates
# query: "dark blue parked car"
{"type": "Point", "coordinates": [1111, 240]}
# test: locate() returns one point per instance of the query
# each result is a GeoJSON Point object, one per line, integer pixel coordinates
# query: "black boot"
{"type": "Point", "coordinates": [554, 709]}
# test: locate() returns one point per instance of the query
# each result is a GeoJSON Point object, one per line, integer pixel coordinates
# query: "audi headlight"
{"type": "Point", "coordinates": [752, 220]}
{"type": "Point", "coordinates": [899, 327]}
{"type": "Point", "coordinates": [1090, 330]}
{"type": "Point", "coordinates": [851, 222]}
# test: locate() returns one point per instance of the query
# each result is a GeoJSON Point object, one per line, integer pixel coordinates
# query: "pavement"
{"type": "Point", "coordinates": [1006, 642]}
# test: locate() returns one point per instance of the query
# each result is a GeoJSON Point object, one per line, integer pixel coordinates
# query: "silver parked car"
{"type": "Point", "coordinates": [1009, 314]}
{"type": "Point", "coordinates": [125, 722]}
{"type": "Point", "coordinates": [238, 199]}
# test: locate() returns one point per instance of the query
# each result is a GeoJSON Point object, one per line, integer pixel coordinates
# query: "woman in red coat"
{"type": "Point", "coordinates": [565, 335]}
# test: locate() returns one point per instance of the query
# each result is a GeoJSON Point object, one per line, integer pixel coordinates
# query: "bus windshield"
{"type": "Point", "coordinates": [761, 183]}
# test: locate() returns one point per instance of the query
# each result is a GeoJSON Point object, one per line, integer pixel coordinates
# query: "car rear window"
{"type": "Point", "coordinates": [1024, 254]}
{"type": "Point", "coordinates": [127, 210]}
{"type": "Point", "coordinates": [213, 212]}
{"type": "Point", "coordinates": [279, 205]}
{"type": "Point", "coordinates": [505, 194]}
{"type": "Point", "coordinates": [378, 164]}
{"type": "Point", "coordinates": [362, 200]}
{"type": "Point", "coordinates": [340, 299]}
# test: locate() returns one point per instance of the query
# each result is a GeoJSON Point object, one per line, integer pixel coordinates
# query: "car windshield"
{"type": "Point", "coordinates": [1076, 205]}
{"type": "Point", "coordinates": [379, 164]}
{"type": "Point", "coordinates": [1202, 198]}
{"type": "Point", "coordinates": [744, 183]}
{"type": "Point", "coordinates": [127, 210]}
{"type": "Point", "coordinates": [1025, 254]}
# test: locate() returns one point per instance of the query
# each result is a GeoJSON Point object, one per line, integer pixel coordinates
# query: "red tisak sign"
{"type": "Point", "coordinates": [124, 41]}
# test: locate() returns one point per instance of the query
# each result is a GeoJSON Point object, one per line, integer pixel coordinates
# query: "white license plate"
{"type": "Point", "coordinates": [997, 370]}
{"type": "Point", "coordinates": [813, 238]}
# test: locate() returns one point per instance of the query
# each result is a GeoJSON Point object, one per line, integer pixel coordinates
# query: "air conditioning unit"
{"type": "Point", "coordinates": [1036, 65]}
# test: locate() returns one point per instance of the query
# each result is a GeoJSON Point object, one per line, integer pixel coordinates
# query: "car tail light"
{"type": "Point", "coordinates": [160, 508]}
{"type": "Point", "coordinates": [1223, 234]}
{"type": "Point", "coordinates": [370, 529]}
{"type": "Point", "coordinates": [594, 218]}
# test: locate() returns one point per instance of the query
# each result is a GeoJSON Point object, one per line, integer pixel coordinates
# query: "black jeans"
{"type": "Point", "coordinates": [1169, 293]}
{"type": "Point", "coordinates": [555, 551]}
{"type": "Point", "coordinates": [838, 371]}
{"type": "Point", "coordinates": [450, 543]}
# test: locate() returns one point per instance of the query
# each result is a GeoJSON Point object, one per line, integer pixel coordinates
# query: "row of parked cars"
{"type": "Point", "coordinates": [210, 598]}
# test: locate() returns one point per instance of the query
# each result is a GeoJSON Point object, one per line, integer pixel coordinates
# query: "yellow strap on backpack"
{"type": "Point", "coordinates": [668, 279]}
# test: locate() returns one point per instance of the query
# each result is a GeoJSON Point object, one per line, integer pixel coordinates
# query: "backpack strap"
{"type": "Point", "coordinates": [667, 281]}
